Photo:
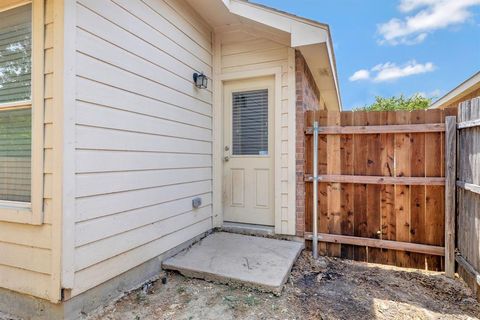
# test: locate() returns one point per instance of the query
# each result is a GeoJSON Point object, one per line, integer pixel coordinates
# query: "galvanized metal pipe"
{"type": "Point", "coordinates": [315, 190]}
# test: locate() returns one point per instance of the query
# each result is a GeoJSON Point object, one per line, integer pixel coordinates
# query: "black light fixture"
{"type": "Point", "coordinates": [201, 80]}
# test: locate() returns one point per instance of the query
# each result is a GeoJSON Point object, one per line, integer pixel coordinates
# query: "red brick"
{"type": "Point", "coordinates": [307, 95]}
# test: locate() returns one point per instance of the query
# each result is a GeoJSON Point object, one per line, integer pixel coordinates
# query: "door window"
{"type": "Point", "coordinates": [250, 123]}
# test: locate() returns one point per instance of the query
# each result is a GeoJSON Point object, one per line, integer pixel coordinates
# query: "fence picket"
{"type": "Point", "coordinates": [417, 193]}
{"type": "Point", "coordinates": [374, 168]}
{"type": "Point", "coordinates": [434, 219]}
{"type": "Point", "coordinates": [347, 191]}
{"type": "Point", "coordinates": [387, 196]}
{"type": "Point", "coordinates": [360, 190]}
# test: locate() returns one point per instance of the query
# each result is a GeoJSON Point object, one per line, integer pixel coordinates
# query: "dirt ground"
{"type": "Point", "coordinates": [326, 289]}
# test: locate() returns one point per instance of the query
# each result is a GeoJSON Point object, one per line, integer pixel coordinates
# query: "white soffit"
{"type": "Point", "coordinates": [303, 33]}
{"type": "Point", "coordinates": [323, 72]}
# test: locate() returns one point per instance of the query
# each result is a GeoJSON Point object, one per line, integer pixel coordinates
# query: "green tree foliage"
{"type": "Point", "coordinates": [415, 102]}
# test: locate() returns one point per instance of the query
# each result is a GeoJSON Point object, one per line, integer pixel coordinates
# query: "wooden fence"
{"type": "Point", "coordinates": [468, 193]}
{"type": "Point", "coordinates": [381, 186]}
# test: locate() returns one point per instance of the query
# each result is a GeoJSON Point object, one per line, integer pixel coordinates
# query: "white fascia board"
{"type": "Point", "coordinates": [452, 95]}
{"type": "Point", "coordinates": [302, 33]}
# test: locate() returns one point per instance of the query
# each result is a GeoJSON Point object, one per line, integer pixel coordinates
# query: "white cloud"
{"type": "Point", "coordinates": [435, 94]}
{"type": "Point", "coordinates": [433, 15]}
{"type": "Point", "coordinates": [409, 5]}
{"type": "Point", "coordinates": [390, 71]}
{"type": "Point", "coordinates": [360, 75]}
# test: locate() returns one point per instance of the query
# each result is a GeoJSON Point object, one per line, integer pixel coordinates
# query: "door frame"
{"type": "Point", "coordinates": [218, 143]}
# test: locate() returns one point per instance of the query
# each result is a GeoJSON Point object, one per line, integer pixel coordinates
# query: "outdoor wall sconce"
{"type": "Point", "coordinates": [201, 80]}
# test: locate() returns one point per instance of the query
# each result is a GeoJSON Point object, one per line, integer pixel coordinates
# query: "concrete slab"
{"type": "Point", "coordinates": [230, 258]}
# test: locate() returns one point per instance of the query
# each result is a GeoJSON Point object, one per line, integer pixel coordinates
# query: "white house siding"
{"type": "Point", "coordinates": [143, 134]}
{"type": "Point", "coordinates": [245, 49]}
{"type": "Point", "coordinates": [26, 261]}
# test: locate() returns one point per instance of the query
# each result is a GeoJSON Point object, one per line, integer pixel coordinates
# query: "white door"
{"type": "Point", "coordinates": [249, 151]}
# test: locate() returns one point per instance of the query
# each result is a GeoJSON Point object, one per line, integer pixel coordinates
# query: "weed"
{"type": "Point", "coordinates": [250, 300]}
{"type": "Point", "coordinates": [140, 297]}
{"type": "Point", "coordinates": [231, 301]}
{"type": "Point", "coordinates": [181, 290]}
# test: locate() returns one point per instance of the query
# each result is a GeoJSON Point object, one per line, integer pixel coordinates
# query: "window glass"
{"type": "Point", "coordinates": [250, 123]}
{"type": "Point", "coordinates": [15, 121]}
{"type": "Point", "coordinates": [15, 154]}
{"type": "Point", "coordinates": [15, 54]}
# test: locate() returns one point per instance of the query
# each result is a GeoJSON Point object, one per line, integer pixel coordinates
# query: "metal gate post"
{"type": "Point", "coordinates": [315, 190]}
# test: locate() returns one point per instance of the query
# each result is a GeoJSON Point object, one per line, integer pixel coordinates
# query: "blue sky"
{"type": "Point", "coordinates": [393, 47]}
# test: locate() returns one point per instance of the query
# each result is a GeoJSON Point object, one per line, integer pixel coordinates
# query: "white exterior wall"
{"type": "Point", "coordinates": [244, 50]}
{"type": "Point", "coordinates": [143, 134]}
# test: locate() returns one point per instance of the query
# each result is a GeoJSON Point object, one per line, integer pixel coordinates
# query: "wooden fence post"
{"type": "Point", "coordinates": [450, 190]}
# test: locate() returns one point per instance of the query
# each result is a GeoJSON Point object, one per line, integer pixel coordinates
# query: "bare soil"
{"type": "Point", "coordinates": [323, 289]}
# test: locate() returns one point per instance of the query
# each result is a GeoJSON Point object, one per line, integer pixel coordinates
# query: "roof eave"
{"type": "Point", "coordinates": [304, 32]}
{"type": "Point", "coordinates": [456, 92]}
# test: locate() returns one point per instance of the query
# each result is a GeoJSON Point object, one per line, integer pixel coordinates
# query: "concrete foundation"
{"type": "Point", "coordinates": [27, 307]}
{"type": "Point", "coordinates": [230, 258]}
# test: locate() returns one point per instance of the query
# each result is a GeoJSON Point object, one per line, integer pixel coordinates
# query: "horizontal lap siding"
{"type": "Point", "coordinates": [143, 134]}
{"type": "Point", "coordinates": [25, 250]}
{"type": "Point", "coordinates": [242, 51]}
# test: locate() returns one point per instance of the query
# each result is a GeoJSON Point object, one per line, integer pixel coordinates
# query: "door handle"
{"type": "Point", "coordinates": [226, 158]}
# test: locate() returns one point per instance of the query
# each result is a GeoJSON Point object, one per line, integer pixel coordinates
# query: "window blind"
{"type": "Point", "coordinates": [15, 54]}
{"type": "Point", "coordinates": [250, 123]}
{"type": "Point", "coordinates": [15, 154]}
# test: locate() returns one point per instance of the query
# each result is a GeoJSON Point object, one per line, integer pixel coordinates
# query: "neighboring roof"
{"type": "Point", "coordinates": [463, 89]}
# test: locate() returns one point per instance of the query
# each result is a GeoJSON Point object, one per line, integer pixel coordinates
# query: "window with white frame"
{"type": "Point", "coordinates": [15, 104]}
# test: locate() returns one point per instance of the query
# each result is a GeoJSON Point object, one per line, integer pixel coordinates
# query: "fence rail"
{"type": "Point", "coordinates": [406, 128]}
{"type": "Point", "coordinates": [419, 181]}
{"type": "Point", "coordinates": [377, 243]}
{"type": "Point", "coordinates": [381, 186]}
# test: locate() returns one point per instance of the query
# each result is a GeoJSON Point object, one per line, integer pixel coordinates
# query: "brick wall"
{"type": "Point", "coordinates": [308, 98]}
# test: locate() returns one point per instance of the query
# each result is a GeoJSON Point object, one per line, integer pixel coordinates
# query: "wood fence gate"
{"type": "Point", "coordinates": [468, 193]}
{"type": "Point", "coordinates": [381, 190]}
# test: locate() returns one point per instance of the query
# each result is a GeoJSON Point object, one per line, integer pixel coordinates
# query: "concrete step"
{"type": "Point", "coordinates": [229, 258]}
